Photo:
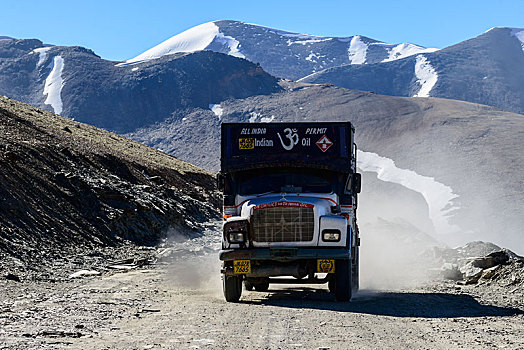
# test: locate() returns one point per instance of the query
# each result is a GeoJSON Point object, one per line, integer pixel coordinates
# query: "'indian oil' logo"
{"type": "Point", "coordinates": [251, 143]}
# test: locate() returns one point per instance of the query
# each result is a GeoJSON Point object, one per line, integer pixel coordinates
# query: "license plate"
{"type": "Point", "coordinates": [241, 266]}
{"type": "Point", "coordinates": [326, 265]}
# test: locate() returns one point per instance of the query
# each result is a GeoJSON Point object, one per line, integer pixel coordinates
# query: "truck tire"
{"type": "Point", "coordinates": [343, 280]}
{"type": "Point", "coordinates": [232, 287]}
{"type": "Point", "coordinates": [261, 286]}
{"type": "Point", "coordinates": [248, 285]}
{"type": "Point", "coordinates": [331, 284]}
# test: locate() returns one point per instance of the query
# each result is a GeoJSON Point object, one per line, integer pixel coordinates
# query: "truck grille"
{"type": "Point", "coordinates": [283, 224]}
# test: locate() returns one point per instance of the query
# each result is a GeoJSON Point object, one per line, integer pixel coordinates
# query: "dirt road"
{"type": "Point", "coordinates": [146, 309]}
{"type": "Point", "coordinates": [177, 303]}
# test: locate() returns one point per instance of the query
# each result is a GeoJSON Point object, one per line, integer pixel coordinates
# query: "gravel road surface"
{"type": "Point", "coordinates": [177, 304]}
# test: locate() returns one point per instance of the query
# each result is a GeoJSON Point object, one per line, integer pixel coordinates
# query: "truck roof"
{"type": "Point", "coordinates": [323, 145]}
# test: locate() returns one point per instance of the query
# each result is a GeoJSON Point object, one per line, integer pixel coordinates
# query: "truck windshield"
{"type": "Point", "coordinates": [289, 181]}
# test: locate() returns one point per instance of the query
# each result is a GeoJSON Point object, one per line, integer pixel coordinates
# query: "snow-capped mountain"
{"type": "Point", "coordinates": [74, 82]}
{"type": "Point", "coordinates": [488, 69]}
{"type": "Point", "coordinates": [280, 53]}
{"type": "Point", "coordinates": [175, 101]}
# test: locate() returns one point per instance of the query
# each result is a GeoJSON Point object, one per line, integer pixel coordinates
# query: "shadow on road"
{"type": "Point", "coordinates": [399, 304]}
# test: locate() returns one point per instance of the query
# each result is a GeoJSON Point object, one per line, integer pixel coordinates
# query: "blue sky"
{"type": "Point", "coordinates": [120, 30]}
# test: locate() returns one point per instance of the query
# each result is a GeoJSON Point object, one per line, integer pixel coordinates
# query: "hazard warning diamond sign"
{"type": "Point", "coordinates": [324, 143]}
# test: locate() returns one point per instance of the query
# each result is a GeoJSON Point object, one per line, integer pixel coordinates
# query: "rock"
{"type": "Point", "coordinates": [122, 267]}
{"type": "Point", "coordinates": [59, 334]}
{"type": "Point", "coordinates": [513, 256]}
{"type": "Point", "coordinates": [477, 248]}
{"type": "Point", "coordinates": [492, 259]}
{"type": "Point", "coordinates": [11, 156]}
{"type": "Point", "coordinates": [489, 273]}
{"type": "Point", "coordinates": [471, 273]}
{"type": "Point", "coordinates": [12, 277]}
{"type": "Point", "coordinates": [83, 273]}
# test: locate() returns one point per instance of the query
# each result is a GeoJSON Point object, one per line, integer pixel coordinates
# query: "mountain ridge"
{"type": "Point", "coordinates": [243, 40]}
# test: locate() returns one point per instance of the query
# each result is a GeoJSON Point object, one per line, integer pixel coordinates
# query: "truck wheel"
{"type": "Point", "coordinates": [232, 286]}
{"type": "Point", "coordinates": [331, 285]}
{"type": "Point", "coordinates": [343, 280]}
{"type": "Point", "coordinates": [248, 285]}
{"type": "Point", "coordinates": [262, 286]}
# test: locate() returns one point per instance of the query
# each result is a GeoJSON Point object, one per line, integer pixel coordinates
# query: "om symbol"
{"type": "Point", "coordinates": [292, 137]}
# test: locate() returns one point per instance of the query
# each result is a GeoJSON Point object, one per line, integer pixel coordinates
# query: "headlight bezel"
{"type": "Point", "coordinates": [236, 231]}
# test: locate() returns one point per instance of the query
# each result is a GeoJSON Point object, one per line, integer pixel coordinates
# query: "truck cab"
{"type": "Point", "coordinates": [289, 206]}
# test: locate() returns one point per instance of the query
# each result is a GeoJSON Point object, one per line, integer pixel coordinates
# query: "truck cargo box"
{"type": "Point", "coordinates": [324, 145]}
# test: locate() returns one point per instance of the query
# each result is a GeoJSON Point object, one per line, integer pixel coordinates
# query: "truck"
{"type": "Point", "coordinates": [289, 206]}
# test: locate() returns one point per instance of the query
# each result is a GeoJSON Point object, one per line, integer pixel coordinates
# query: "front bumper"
{"type": "Point", "coordinates": [284, 254]}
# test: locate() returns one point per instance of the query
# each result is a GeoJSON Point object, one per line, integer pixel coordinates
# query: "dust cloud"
{"type": "Point", "coordinates": [192, 259]}
{"type": "Point", "coordinates": [398, 241]}
{"type": "Point", "coordinates": [397, 236]}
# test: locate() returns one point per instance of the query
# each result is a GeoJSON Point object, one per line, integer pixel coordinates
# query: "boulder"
{"type": "Point", "coordinates": [489, 273]}
{"type": "Point", "coordinates": [83, 273]}
{"type": "Point", "coordinates": [492, 259]}
{"type": "Point", "coordinates": [471, 273]}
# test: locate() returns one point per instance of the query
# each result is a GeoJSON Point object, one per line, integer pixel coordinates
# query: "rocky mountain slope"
{"type": "Point", "coordinates": [282, 54]}
{"type": "Point", "coordinates": [176, 77]}
{"type": "Point", "coordinates": [69, 190]}
{"type": "Point", "coordinates": [488, 69]}
{"type": "Point", "coordinates": [74, 82]}
{"type": "Point", "coordinates": [472, 150]}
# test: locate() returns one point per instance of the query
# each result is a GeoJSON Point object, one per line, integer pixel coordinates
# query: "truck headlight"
{"type": "Point", "coordinates": [331, 235]}
{"type": "Point", "coordinates": [236, 237]}
{"type": "Point", "coordinates": [236, 231]}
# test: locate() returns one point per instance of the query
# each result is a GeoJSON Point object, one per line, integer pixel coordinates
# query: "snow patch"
{"type": "Point", "coordinates": [313, 57]}
{"type": "Point", "coordinates": [217, 110]}
{"type": "Point", "coordinates": [405, 50]}
{"type": "Point", "coordinates": [290, 34]}
{"type": "Point", "coordinates": [232, 43]}
{"type": "Point", "coordinates": [267, 119]}
{"type": "Point", "coordinates": [42, 54]}
{"type": "Point", "coordinates": [254, 116]}
{"type": "Point", "coordinates": [310, 41]}
{"type": "Point", "coordinates": [357, 50]}
{"type": "Point", "coordinates": [437, 195]}
{"type": "Point", "coordinates": [426, 75]}
{"type": "Point", "coordinates": [54, 84]}
{"type": "Point", "coordinates": [193, 39]}
{"type": "Point", "coordinates": [519, 34]}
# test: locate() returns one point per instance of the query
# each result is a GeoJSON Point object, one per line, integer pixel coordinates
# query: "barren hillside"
{"type": "Point", "coordinates": [68, 189]}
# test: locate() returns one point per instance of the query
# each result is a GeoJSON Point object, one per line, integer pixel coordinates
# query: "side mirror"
{"type": "Point", "coordinates": [220, 181]}
{"type": "Point", "coordinates": [357, 182]}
